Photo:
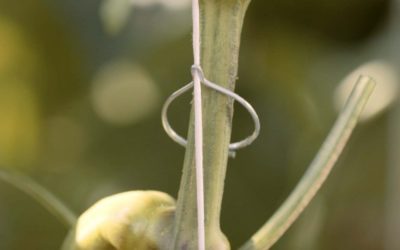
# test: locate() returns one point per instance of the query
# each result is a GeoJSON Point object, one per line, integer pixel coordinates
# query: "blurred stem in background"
{"type": "Point", "coordinates": [40, 194]}
{"type": "Point", "coordinates": [392, 206]}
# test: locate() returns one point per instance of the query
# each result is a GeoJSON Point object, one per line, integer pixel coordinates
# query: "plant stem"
{"type": "Point", "coordinates": [392, 202]}
{"type": "Point", "coordinates": [317, 171]}
{"type": "Point", "coordinates": [392, 198]}
{"type": "Point", "coordinates": [221, 24]}
{"type": "Point", "coordinates": [42, 196]}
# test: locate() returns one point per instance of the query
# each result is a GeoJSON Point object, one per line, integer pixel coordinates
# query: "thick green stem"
{"type": "Point", "coordinates": [221, 25]}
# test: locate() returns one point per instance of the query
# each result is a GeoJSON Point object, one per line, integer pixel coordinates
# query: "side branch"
{"type": "Point", "coordinates": [317, 172]}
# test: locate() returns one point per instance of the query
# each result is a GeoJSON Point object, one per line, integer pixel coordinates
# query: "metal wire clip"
{"type": "Point", "coordinates": [233, 147]}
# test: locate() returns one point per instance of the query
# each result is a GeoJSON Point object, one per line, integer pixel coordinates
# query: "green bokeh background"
{"type": "Point", "coordinates": [293, 55]}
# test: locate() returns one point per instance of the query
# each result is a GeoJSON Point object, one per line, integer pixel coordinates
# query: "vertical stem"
{"type": "Point", "coordinates": [392, 197]}
{"type": "Point", "coordinates": [392, 218]}
{"type": "Point", "coordinates": [221, 24]}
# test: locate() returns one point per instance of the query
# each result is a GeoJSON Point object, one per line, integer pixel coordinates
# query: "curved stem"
{"type": "Point", "coordinates": [41, 195]}
{"type": "Point", "coordinates": [317, 172]}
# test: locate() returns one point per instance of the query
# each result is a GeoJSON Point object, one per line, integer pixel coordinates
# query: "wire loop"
{"type": "Point", "coordinates": [233, 147]}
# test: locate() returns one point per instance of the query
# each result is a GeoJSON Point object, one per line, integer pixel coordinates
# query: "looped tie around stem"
{"type": "Point", "coordinates": [233, 147]}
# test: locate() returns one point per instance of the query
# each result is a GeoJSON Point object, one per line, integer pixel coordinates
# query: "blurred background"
{"type": "Point", "coordinates": [81, 89]}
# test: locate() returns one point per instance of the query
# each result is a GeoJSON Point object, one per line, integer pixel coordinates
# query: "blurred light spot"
{"type": "Point", "coordinates": [114, 14]}
{"type": "Point", "coordinates": [19, 124]}
{"type": "Point", "coordinates": [123, 93]}
{"type": "Point", "coordinates": [176, 4]}
{"type": "Point", "coordinates": [19, 107]}
{"type": "Point", "coordinates": [169, 4]}
{"type": "Point", "coordinates": [145, 3]}
{"type": "Point", "coordinates": [17, 56]}
{"type": "Point", "coordinates": [385, 93]}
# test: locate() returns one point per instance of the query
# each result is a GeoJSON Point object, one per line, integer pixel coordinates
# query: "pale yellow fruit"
{"type": "Point", "coordinates": [126, 221]}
